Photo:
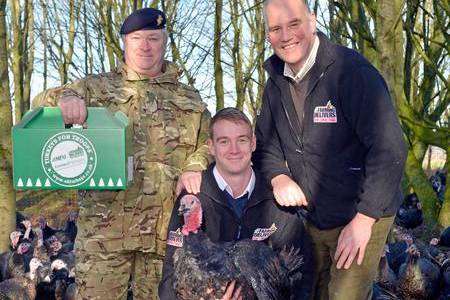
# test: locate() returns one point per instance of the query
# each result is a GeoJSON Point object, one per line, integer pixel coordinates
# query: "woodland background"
{"type": "Point", "coordinates": [221, 46]}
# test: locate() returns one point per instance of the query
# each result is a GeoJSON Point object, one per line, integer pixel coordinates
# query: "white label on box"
{"type": "Point", "coordinates": [69, 159]}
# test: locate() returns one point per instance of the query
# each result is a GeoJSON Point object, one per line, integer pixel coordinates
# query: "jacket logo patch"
{"type": "Point", "coordinates": [260, 234]}
{"type": "Point", "coordinates": [175, 238]}
{"type": "Point", "coordinates": [325, 114]}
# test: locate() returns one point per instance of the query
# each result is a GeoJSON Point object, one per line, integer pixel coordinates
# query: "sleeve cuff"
{"type": "Point", "coordinates": [368, 211]}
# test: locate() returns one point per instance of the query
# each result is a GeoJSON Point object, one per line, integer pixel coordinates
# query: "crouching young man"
{"type": "Point", "coordinates": [237, 203]}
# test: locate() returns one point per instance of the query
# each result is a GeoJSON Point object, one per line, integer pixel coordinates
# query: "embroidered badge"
{"type": "Point", "coordinates": [260, 234]}
{"type": "Point", "coordinates": [159, 20]}
{"type": "Point", "coordinates": [325, 114]}
{"type": "Point", "coordinates": [175, 238]}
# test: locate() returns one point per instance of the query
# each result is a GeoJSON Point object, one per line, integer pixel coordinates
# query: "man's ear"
{"type": "Point", "coordinates": [313, 21]}
{"type": "Point", "coordinates": [209, 142]}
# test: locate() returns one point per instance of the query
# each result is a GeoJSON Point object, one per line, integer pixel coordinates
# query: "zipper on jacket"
{"type": "Point", "coordinates": [233, 213]}
{"type": "Point", "coordinates": [309, 206]}
{"type": "Point", "coordinates": [315, 83]}
{"type": "Point", "coordinates": [300, 137]}
{"type": "Point", "coordinates": [299, 141]}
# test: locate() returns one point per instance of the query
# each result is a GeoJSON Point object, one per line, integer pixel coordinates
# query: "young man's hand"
{"type": "Point", "coordinates": [232, 292]}
{"type": "Point", "coordinates": [287, 192]}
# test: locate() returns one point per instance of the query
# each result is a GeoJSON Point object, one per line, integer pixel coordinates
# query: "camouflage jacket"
{"type": "Point", "coordinates": [170, 128]}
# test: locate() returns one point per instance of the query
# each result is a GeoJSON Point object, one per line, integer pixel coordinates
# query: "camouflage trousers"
{"type": "Point", "coordinates": [106, 276]}
{"type": "Point", "coordinates": [354, 283]}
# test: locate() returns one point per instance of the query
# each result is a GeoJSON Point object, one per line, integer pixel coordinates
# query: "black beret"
{"type": "Point", "coordinates": [145, 18]}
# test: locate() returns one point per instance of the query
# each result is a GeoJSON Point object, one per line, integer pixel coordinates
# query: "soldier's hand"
{"type": "Point", "coordinates": [232, 293]}
{"type": "Point", "coordinates": [73, 109]}
{"type": "Point", "coordinates": [191, 181]}
{"type": "Point", "coordinates": [287, 192]}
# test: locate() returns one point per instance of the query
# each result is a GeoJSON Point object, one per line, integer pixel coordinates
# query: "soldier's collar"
{"type": "Point", "coordinates": [170, 74]}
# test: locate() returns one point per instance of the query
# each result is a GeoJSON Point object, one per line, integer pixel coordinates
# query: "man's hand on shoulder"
{"type": "Point", "coordinates": [189, 180]}
{"type": "Point", "coordinates": [353, 240]}
{"type": "Point", "coordinates": [73, 109]}
{"type": "Point", "coordinates": [287, 192]}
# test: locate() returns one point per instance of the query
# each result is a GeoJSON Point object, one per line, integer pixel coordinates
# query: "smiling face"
{"type": "Point", "coordinates": [144, 51]}
{"type": "Point", "coordinates": [232, 144]}
{"type": "Point", "coordinates": [290, 30]}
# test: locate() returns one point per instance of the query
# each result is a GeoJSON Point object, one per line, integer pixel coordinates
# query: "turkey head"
{"type": "Point", "coordinates": [191, 209]}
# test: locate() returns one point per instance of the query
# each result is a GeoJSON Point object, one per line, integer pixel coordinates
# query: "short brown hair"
{"type": "Point", "coordinates": [230, 114]}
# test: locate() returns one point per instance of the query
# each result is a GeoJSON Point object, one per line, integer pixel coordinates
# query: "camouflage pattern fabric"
{"type": "Point", "coordinates": [169, 129]}
{"type": "Point", "coordinates": [106, 275]}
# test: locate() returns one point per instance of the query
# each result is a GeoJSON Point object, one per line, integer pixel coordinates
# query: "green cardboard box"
{"type": "Point", "coordinates": [46, 155]}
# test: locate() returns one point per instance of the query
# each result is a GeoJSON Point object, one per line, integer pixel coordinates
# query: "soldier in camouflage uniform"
{"type": "Point", "coordinates": [123, 233]}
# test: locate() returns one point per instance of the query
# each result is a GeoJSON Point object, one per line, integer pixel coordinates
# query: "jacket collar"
{"type": "Point", "coordinates": [211, 189]}
{"type": "Point", "coordinates": [223, 185]}
{"type": "Point", "coordinates": [170, 74]}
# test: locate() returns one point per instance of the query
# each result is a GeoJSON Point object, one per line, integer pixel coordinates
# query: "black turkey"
{"type": "Point", "coordinates": [396, 252]}
{"type": "Point", "coordinates": [410, 215]}
{"type": "Point", "coordinates": [70, 230]}
{"type": "Point", "coordinates": [445, 293]}
{"type": "Point", "coordinates": [386, 277]}
{"type": "Point", "coordinates": [203, 269]}
{"type": "Point", "coordinates": [444, 240]}
{"type": "Point", "coordinates": [21, 288]}
{"type": "Point", "coordinates": [418, 277]}
{"type": "Point", "coordinates": [381, 293]}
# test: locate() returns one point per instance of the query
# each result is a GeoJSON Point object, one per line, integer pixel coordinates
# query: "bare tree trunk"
{"type": "Point", "coordinates": [430, 154]}
{"type": "Point", "coordinates": [16, 58]}
{"type": "Point", "coordinates": [105, 9]}
{"type": "Point", "coordinates": [389, 41]}
{"type": "Point", "coordinates": [86, 38]}
{"type": "Point", "coordinates": [64, 56]}
{"type": "Point", "coordinates": [8, 203]}
{"type": "Point", "coordinates": [171, 14]}
{"type": "Point", "coordinates": [44, 38]}
{"type": "Point", "coordinates": [22, 54]}
{"type": "Point", "coordinates": [336, 25]}
{"type": "Point", "coordinates": [218, 72]}
{"type": "Point", "coordinates": [260, 50]}
{"type": "Point", "coordinates": [237, 54]}
{"type": "Point", "coordinates": [74, 9]}
{"type": "Point", "coordinates": [29, 54]}
{"type": "Point", "coordinates": [255, 76]}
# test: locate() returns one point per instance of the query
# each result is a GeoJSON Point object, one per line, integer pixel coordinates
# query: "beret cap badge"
{"type": "Point", "coordinates": [159, 20]}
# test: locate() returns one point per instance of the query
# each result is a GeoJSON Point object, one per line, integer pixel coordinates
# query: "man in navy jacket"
{"type": "Point", "coordinates": [329, 142]}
